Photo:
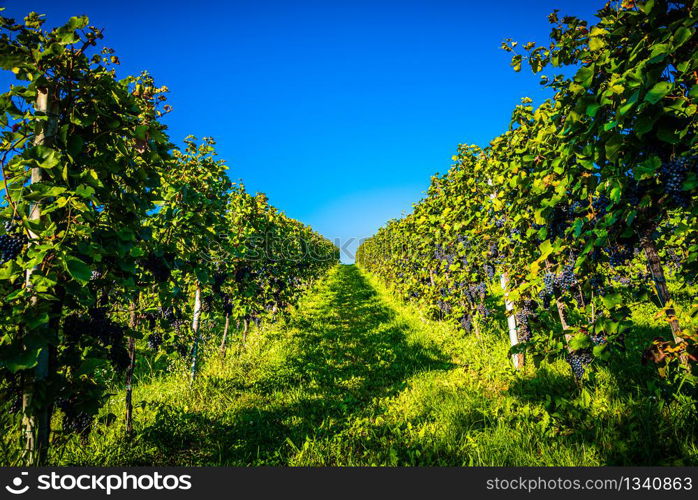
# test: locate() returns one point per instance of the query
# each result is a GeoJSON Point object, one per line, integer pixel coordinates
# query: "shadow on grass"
{"type": "Point", "coordinates": [351, 350]}
{"type": "Point", "coordinates": [633, 425]}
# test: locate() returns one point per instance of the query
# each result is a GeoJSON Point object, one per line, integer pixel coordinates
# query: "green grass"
{"type": "Point", "coordinates": [354, 377]}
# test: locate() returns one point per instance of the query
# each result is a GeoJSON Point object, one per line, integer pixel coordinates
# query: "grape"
{"type": "Point", "coordinates": [672, 174]}
{"type": "Point", "coordinates": [619, 255]}
{"type": "Point", "coordinates": [227, 305]}
{"type": "Point", "coordinates": [75, 420]}
{"type": "Point", "coordinates": [600, 206]}
{"type": "Point", "coordinates": [623, 280]}
{"type": "Point", "coordinates": [549, 283]}
{"type": "Point", "coordinates": [155, 340]}
{"type": "Point", "coordinates": [444, 306]}
{"type": "Point", "coordinates": [598, 338]}
{"type": "Point", "coordinates": [544, 298]}
{"type": "Point", "coordinates": [218, 281]}
{"type": "Point", "coordinates": [157, 267]}
{"type": "Point", "coordinates": [81, 423]}
{"type": "Point", "coordinates": [207, 304]}
{"type": "Point", "coordinates": [466, 322]}
{"type": "Point", "coordinates": [596, 283]}
{"type": "Point", "coordinates": [118, 356]}
{"type": "Point", "coordinates": [94, 324]}
{"type": "Point", "coordinates": [523, 330]}
{"type": "Point", "coordinates": [566, 279]}
{"type": "Point", "coordinates": [578, 360]}
{"type": "Point", "coordinates": [11, 246]}
{"type": "Point", "coordinates": [489, 271]}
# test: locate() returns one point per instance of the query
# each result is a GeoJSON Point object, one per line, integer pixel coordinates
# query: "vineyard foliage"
{"type": "Point", "coordinates": [112, 236]}
{"type": "Point", "coordinates": [583, 209]}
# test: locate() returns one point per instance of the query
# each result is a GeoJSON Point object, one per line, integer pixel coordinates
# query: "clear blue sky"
{"type": "Point", "coordinates": [339, 110]}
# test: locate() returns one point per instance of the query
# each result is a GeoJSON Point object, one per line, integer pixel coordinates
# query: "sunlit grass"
{"type": "Point", "coordinates": [353, 376]}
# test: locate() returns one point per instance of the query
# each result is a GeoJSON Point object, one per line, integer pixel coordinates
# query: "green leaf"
{"type": "Point", "coordinates": [141, 132]}
{"type": "Point", "coordinates": [22, 361]}
{"type": "Point", "coordinates": [644, 124]}
{"type": "Point", "coordinates": [75, 144]}
{"type": "Point", "coordinates": [681, 36]}
{"type": "Point", "coordinates": [592, 109]}
{"type": "Point", "coordinates": [585, 76]}
{"type": "Point", "coordinates": [545, 248]}
{"type": "Point", "coordinates": [610, 300]}
{"type": "Point", "coordinates": [84, 191]}
{"type": "Point", "coordinates": [658, 92]}
{"type": "Point", "coordinates": [77, 269]}
{"type": "Point", "coordinates": [668, 135]}
{"type": "Point", "coordinates": [580, 341]}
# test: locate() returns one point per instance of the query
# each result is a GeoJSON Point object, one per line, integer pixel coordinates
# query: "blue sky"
{"type": "Point", "coordinates": [339, 110]}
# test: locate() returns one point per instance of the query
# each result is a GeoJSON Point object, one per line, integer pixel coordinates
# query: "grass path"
{"type": "Point", "coordinates": [353, 377]}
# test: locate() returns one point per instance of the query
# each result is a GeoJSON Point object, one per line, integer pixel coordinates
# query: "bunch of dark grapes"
{"type": "Point", "coordinates": [544, 299]}
{"type": "Point", "coordinates": [242, 273]}
{"type": "Point", "coordinates": [157, 267]}
{"type": "Point", "coordinates": [74, 419]}
{"type": "Point", "coordinates": [566, 279]}
{"type": "Point", "coordinates": [549, 284]}
{"type": "Point", "coordinates": [466, 322]}
{"type": "Point", "coordinates": [178, 324]}
{"type": "Point", "coordinates": [207, 304]}
{"type": "Point", "coordinates": [499, 223]}
{"type": "Point", "coordinates": [218, 281]}
{"type": "Point", "coordinates": [523, 330]}
{"type": "Point", "coordinates": [600, 206]}
{"type": "Point", "coordinates": [167, 313]}
{"type": "Point", "coordinates": [118, 357]}
{"type": "Point", "coordinates": [597, 284]}
{"type": "Point", "coordinates": [484, 312]}
{"type": "Point", "coordinates": [95, 275]}
{"type": "Point", "coordinates": [476, 292]}
{"type": "Point", "coordinates": [11, 243]}
{"type": "Point", "coordinates": [672, 175]}
{"type": "Point", "coordinates": [97, 325]}
{"type": "Point", "coordinates": [439, 254]}
{"type": "Point", "coordinates": [619, 255]}
{"type": "Point", "coordinates": [444, 306]}
{"type": "Point", "coordinates": [633, 193]}
{"type": "Point", "coordinates": [559, 223]}
{"type": "Point", "coordinates": [623, 280]}
{"type": "Point", "coordinates": [598, 338]}
{"type": "Point", "coordinates": [578, 360]}
{"type": "Point", "coordinates": [489, 271]}
{"type": "Point", "coordinates": [155, 340]}
{"type": "Point", "coordinates": [674, 259]}
{"type": "Point", "coordinates": [227, 305]}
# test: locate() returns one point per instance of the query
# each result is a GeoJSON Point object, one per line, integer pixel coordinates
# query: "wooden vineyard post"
{"type": "Point", "coordinates": [37, 421]}
{"type": "Point", "coordinates": [655, 266]}
{"type": "Point", "coordinates": [224, 340]}
{"type": "Point", "coordinates": [129, 371]}
{"type": "Point", "coordinates": [517, 359]}
{"type": "Point", "coordinates": [195, 329]}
